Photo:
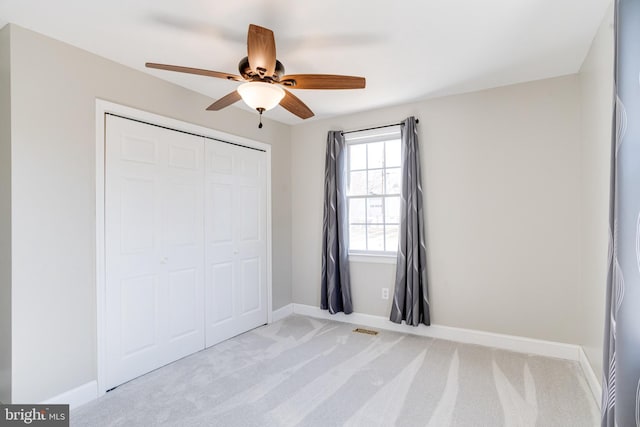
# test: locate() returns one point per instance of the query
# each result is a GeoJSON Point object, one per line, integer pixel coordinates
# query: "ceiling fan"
{"type": "Point", "coordinates": [264, 78]}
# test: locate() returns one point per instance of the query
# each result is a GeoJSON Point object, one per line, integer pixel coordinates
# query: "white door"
{"type": "Point", "coordinates": [235, 240]}
{"type": "Point", "coordinates": [154, 247]}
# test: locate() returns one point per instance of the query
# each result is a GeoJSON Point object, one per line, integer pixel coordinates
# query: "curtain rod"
{"type": "Point", "coordinates": [377, 127]}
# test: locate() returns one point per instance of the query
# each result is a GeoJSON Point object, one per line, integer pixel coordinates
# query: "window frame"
{"type": "Point", "coordinates": [391, 133]}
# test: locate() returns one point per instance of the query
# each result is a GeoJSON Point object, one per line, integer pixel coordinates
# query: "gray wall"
{"type": "Point", "coordinates": [501, 169]}
{"type": "Point", "coordinates": [54, 87]}
{"type": "Point", "coordinates": [5, 218]}
{"type": "Point", "coordinates": [596, 90]}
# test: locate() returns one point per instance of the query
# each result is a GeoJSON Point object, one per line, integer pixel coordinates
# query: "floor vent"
{"type": "Point", "coordinates": [365, 331]}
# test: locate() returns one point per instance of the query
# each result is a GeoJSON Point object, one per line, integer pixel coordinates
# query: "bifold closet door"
{"type": "Point", "coordinates": [235, 240]}
{"type": "Point", "coordinates": [154, 247]}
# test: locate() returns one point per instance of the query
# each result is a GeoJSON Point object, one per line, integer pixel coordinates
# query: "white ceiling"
{"type": "Point", "coordinates": [407, 49]}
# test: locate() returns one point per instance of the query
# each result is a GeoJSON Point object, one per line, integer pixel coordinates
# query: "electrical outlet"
{"type": "Point", "coordinates": [385, 293]}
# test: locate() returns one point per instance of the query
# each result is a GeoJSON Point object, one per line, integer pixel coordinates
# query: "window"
{"type": "Point", "coordinates": [373, 195]}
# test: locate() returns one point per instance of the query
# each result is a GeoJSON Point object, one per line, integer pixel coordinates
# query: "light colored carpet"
{"type": "Point", "coordinates": [309, 372]}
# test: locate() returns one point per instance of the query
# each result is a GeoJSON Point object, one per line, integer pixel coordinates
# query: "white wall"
{"type": "Point", "coordinates": [54, 87]}
{"type": "Point", "coordinates": [501, 170]}
{"type": "Point", "coordinates": [596, 89]}
{"type": "Point", "coordinates": [5, 218]}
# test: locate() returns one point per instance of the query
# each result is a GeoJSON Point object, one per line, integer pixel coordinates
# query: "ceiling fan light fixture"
{"type": "Point", "coordinates": [261, 95]}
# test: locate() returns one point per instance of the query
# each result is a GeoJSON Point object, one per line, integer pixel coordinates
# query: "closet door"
{"type": "Point", "coordinates": [154, 247]}
{"type": "Point", "coordinates": [235, 235]}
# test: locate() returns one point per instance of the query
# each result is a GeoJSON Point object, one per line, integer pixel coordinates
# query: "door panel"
{"type": "Point", "coordinates": [182, 212]}
{"type": "Point", "coordinates": [137, 207]}
{"type": "Point", "coordinates": [138, 321]}
{"type": "Point", "coordinates": [183, 293]}
{"type": "Point", "coordinates": [184, 158]}
{"type": "Point", "coordinates": [220, 213]}
{"type": "Point", "coordinates": [183, 242]}
{"type": "Point", "coordinates": [220, 294]}
{"type": "Point", "coordinates": [250, 213]}
{"type": "Point", "coordinates": [251, 284]}
{"type": "Point", "coordinates": [220, 161]}
{"type": "Point", "coordinates": [153, 247]}
{"type": "Point", "coordinates": [137, 148]}
{"type": "Point", "coordinates": [235, 240]}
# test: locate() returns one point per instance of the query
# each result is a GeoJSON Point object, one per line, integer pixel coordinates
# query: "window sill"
{"type": "Point", "coordinates": [373, 259]}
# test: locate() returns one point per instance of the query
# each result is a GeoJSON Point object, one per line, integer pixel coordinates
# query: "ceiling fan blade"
{"type": "Point", "coordinates": [197, 71]}
{"type": "Point", "coordinates": [225, 101]}
{"type": "Point", "coordinates": [322, 81]}
{"type": "Point", "coordinates": [295, 105]}
{"type": "Point", "coordinates": [261, 50]}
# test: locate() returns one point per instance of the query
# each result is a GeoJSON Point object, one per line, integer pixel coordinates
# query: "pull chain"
{"type": "Point", "coordinates": [260, 110]}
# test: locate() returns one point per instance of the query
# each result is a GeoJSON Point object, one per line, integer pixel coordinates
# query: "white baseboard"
{"type": "Point", "coordinates": [590, 376]}
{"type": "Point", "coordinates": [77, 396]}
{"type": "Point", "coordinates": [281, 313]}
{"type": "Point", "coordinates": [469, 336]}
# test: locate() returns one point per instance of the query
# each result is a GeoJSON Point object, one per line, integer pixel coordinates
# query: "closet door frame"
{"type": "Point", "coordinates": [102, 109]}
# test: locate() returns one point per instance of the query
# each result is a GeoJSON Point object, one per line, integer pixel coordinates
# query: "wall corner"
{"type": "Point", "coordinates": [5, 215]}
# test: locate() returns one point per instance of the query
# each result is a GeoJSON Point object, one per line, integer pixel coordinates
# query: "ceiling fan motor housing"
{"type": "Point", "coordinates": [249, 74]}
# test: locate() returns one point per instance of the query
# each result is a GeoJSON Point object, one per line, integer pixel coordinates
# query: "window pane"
{"type": "Point", "coordinates": [393, 153]}
{"type": "Point", "coordinates": [358, 237]}
{"type": "Point", "coordinates": [374, 210]}
{"type": "Point", "coordinates": [376, 238]}
{"type": "Point", "coordinates": [392, 209]}
{"type": "Point", "coordinates": [374, 171]}
{"type": "Point", "coordinates": [357, 211]}
{"type": "Point", "coordinates": [358, 183]}
{"type": "Point", "coordinates": [358, 156]}
{"type": "Point", "coordinates": [375, 182]}
{"type": "Point", "coordinates": [393, 181]}
{"type": "Point", "coordinates": [376, 155]}
{"type": "Point", "coordinates": [391, 235]}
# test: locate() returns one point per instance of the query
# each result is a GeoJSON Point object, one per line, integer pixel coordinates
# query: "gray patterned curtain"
{"type": "Point", "coordinates": [410, 298]}
{"type": "Point", "coordinates": [621, 377]}
{"type": "Point", "coordinates": [336, 288]}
